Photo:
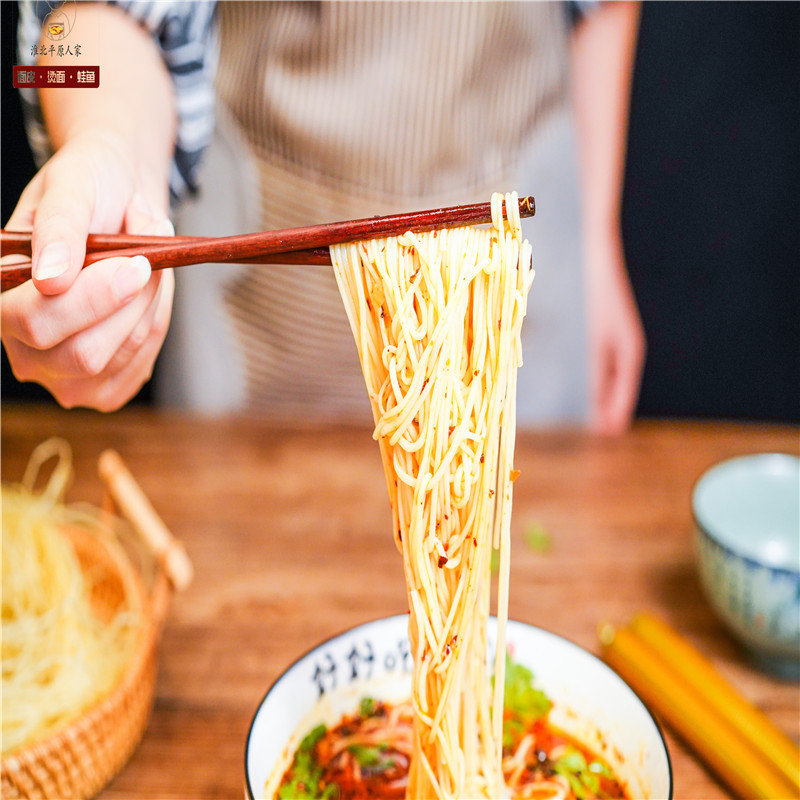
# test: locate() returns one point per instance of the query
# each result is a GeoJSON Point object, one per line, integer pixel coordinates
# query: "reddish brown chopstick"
{"type": "Point", "coordinates": [178, 252]}
{"type": "Point", "coordinates": [100, 246]}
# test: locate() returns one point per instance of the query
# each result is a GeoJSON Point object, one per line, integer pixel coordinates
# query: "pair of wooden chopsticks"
{"type": "Point", "coordinates": [306, 245]}
{"type": "Point", "coordinates": [734, 738]}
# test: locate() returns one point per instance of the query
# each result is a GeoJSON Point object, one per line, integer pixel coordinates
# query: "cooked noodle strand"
{"type": "Point", "coordinates": [436, 319]}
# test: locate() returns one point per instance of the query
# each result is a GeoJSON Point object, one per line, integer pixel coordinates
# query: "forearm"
{"type": "Point", "coordinates": [603, 51]}
{"type": "Point", "coordinates": [603, 54]}
{"type": "Point", "coordinates": [133, 109]}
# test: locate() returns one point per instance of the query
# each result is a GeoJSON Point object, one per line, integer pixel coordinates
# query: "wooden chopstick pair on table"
{"type": "Point", "coordinates": [732, 736]}
{"type": "Point", "coordinates": [306, 245]}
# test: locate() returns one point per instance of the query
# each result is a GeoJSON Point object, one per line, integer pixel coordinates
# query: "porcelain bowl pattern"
{"type": "Point", "coordinates": [591, 701]}
{"type": "Point", "coordinates": [747, 523]}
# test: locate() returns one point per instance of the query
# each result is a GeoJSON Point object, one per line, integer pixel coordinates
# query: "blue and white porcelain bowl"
{"type": "Point", "coordinates": [590, 701]}
{"type": "Point", "coordinates": [747, 515]}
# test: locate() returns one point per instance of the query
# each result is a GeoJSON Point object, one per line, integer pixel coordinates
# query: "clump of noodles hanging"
{"type": "Point", "coordinates": [437, 319]}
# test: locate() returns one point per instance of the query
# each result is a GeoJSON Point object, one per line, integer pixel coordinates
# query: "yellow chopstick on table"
{"type": "Point", "coordinates": [685, 660]}
{"type": "Point", "coordinates": [681, 698]}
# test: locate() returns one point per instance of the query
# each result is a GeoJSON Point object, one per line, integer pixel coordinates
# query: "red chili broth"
{"type": "Point", "coordinates": [355, 782]}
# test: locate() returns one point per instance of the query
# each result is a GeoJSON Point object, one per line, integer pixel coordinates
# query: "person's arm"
{"type": "Point", "coordinates": [91, 337]}
{"type": "Point", "coordinates": [602, 61]}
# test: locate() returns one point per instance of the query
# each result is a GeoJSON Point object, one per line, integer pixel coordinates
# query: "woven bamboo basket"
{"type": "Point", "coordinates": [80, 758]}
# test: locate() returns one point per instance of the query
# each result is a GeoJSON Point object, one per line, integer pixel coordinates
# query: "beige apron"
{"type": "Point", "coordinates": [350, 109]}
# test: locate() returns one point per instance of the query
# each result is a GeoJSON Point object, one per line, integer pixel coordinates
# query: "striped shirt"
{"type": "Point", "coordinates": [187, 38]}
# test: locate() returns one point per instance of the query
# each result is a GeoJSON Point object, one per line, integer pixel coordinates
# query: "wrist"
{"type": "Point", "coordinates": [602, 240]}
{"type": "Point", "coordinates": [104, 138]}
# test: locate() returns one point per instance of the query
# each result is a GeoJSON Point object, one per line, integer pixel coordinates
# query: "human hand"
{"type": "Point", "coordinates": [89, 336]}
{"type": "Point", "coordinates": [616, 339]}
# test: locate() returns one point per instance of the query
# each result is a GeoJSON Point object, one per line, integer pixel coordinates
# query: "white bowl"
{"type": "Point", "coordinates": [747, 515]}
{"type": "Point", "coordinates": [590, 701]}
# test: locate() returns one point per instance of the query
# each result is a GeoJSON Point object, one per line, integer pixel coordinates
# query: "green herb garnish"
{"type": "Point", "coordinates": [304, 775]}
{"type": "Point", "coordinates": [583, 778]}
{"type": "Point", "coordinates": [537, 538]}
{"type": "Point", "coordinates": [372, 757]}
{"type": "Point", "coordinates": [367, 707]}
{"type": "Point", "coordinates": [520, 696]}
{"type": "Point", "coordinates": [523, 704]}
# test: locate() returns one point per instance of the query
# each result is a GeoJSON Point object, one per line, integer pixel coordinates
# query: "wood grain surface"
{"type": "Point", "coordinates": [288, 531]}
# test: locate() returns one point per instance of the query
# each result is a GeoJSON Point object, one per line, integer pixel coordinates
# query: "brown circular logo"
{"type": "Point", "coordinates": [60, 19]}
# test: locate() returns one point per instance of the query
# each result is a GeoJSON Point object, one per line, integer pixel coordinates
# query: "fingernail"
{"type": "Point", "coordinates": [52, 262]}
{"type": "Point", "coordinates": [164, 228]}
{"type": "Point", "coordinates": [131, 278]}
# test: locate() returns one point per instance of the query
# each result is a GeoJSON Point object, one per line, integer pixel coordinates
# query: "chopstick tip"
{"type": "Point", "coordinates": [528, 206]}
{"type": "Point", "coordinates": [606, 632]}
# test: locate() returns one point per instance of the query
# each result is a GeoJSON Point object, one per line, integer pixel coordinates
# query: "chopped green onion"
{"type": "Point", "coordinates": [371, 757]}
{"type": "Point", "coordinates": [367, 707]}
{"type": "Point", "coordinates": [537, 538]}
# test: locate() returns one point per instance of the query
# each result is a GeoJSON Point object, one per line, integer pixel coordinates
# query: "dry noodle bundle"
{"type": "Point", "coordinates": [437, 320]}
{"type": "Point", "coordinates": [58, 656]}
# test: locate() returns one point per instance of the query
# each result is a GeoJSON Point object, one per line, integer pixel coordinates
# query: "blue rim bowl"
{"type": "Point", "coordinates": [747, 536]}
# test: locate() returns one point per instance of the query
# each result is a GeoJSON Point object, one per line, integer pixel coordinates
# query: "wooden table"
{"type": "Point", "coordinates": [289, 533]}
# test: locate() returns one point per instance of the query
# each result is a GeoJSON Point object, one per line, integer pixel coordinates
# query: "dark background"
{"type": "Point", "coordinates": [16, 169]}
{"type": "Point", "coordinates": [711, 208]}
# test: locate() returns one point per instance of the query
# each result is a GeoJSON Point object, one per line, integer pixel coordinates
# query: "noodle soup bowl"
{"type": "Point", "coordinates": [590, 701]}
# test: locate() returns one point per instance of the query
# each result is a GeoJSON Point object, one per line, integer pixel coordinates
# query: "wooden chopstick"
{"type": "Point", "coordinates": [183, 251]}
{"type": "Point", "coordinates": [677, 683]}
{"type": "Point", "coordinates": [19, 243]}
{"type": "Point", "coordinates": [99, 245]}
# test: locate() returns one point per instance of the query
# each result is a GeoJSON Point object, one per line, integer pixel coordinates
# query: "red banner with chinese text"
{"type": "Point", "coordinates": [49, 77]}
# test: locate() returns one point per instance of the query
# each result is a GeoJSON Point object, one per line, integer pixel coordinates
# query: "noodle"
{"type": "Point", "coordinates": [437, 318]}
{"type": "Point", "coordinates": [58, 657]}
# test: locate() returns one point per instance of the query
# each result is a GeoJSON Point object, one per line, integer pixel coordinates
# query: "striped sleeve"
{"type": "Point", "coordinates": [577, 10]}
{"type": "Point", "coordinates": [186, 36]}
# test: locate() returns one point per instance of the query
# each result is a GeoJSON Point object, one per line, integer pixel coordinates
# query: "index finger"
{"type": "Point", "coordinates": [60, 227]}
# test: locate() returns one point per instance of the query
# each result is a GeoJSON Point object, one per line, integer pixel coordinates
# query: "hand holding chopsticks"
{"type": "Point", "coordinates": [305, 245]}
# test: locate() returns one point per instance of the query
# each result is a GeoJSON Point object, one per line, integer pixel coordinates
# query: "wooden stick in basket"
{"type": "Point", "coordinates": [137, 509]}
